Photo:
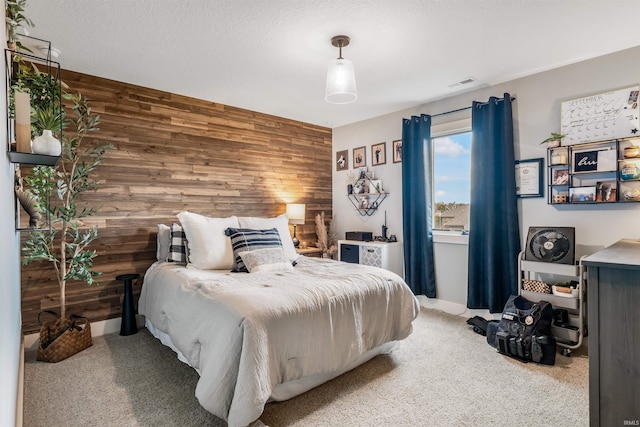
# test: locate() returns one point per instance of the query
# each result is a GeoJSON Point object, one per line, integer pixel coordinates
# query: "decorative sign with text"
{"type": "Point", "coordinates": [595, 161]}
{"type": "Point", "coordinates": [600, 117]}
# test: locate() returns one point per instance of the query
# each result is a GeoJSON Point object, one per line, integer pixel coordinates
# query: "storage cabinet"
{"type": "Point", "coordinates": [387, 255]}
{"type": "Point", "coordinates": [614, 334]}
{"type": "Point", "coordinates": [595, 172]}
{"type": "Point", "coordinates": [571, 336]}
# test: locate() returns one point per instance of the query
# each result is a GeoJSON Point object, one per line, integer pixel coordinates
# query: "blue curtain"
{"type": "Point", "coordinates": [417, 194]}
{"type": "Point", "coordinates": [494, 239]}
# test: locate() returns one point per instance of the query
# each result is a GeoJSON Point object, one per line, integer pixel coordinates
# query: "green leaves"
{"type": "Point", "coordinates": [15, 17]}
{"type": "Point", "coordinates": [67, 181]}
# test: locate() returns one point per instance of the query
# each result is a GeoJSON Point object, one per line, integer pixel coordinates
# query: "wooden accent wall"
{"type": "Point", "coordinates": [173, 153]}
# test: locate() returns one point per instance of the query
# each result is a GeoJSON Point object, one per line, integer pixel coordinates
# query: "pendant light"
{"type": "Point", "coordinates": [341, 79]}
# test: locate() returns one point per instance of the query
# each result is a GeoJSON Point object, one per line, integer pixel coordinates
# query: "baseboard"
{"type": "Point", "coordinates": [455, 308]}
{"type": "Point", "coordinates": [99, 328]}
{"type": "Point", "coordinates": [20, 389]}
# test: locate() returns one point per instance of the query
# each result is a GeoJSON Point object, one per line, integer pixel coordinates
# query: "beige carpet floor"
{"type": "Point", "coordinates": [442, 375]}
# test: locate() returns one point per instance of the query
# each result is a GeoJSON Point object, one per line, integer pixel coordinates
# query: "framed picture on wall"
{"type": "Point", "coordinates": [359, 157]}
{"type": "Point", "coordinates": [397, 151]}
{"type": "Point", "coordinates": [379, 154]}
{"type": "Point", "coordinates": [529, 180]}
{"type": "Point", "coordinates": [342, 160]}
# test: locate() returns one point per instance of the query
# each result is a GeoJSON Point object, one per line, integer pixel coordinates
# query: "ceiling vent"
{"type": "Point", "coordinates": [463, 82]}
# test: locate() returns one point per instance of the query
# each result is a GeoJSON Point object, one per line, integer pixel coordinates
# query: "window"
{"type": "Point", "coordinates": [451, 180]}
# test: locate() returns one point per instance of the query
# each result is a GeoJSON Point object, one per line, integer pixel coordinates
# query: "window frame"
{"type": "Point", "coordinates": [453, 127]}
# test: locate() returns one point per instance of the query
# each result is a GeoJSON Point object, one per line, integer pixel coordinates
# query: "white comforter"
{"type": "Point", "coordinates": [247, 333]}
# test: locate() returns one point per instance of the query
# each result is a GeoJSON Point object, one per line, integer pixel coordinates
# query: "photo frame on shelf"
{"type": "Point", "coordinates": [560, 177]}
{"type": "Point", "coordinates": [375, 186]}
{"type": "Point", "coordinates": [359, 157]}
{"type": "Point", "coordinates": [582, 194]}
{"type": "Point", "coordinates": [342, 160]}
{"type": "Point", "coordinates": [606, 191]}
{"type": "Point", "coordinates": [529, 178]}
{"type": "Point", "coordinates": [379, 154]}
{"type": "Point", "coordinates": [363, 202]}
{"type": "Point", "coordinates": [397, 151]}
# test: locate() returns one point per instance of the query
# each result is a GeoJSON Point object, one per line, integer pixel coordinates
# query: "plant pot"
{"type": "Point", "coordinates": [553, 144]}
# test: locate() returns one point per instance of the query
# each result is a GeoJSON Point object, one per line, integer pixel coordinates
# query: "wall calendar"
{"type": "Point", "coordinates": [600, 117]}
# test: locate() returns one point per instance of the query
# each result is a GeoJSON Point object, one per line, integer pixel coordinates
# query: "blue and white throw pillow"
{"type": "Point", "coordinates": [245, 239]}
{"type": "Point", "coordinates": [178, 245]}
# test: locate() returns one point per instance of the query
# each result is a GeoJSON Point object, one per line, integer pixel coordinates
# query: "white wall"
{"type": "Point", "coordinates": [536, 115]}
{"type": "Point", "coordinates": [10, 284]}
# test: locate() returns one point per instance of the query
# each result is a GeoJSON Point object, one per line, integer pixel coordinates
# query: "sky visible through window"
{"type": "Point", "coordinates": [452, 168]}
{"type": "Point", "coordinates": [451, 181]}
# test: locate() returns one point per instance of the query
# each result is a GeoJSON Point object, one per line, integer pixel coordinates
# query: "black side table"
{"type": "Point", "coordinates": [128, 325]}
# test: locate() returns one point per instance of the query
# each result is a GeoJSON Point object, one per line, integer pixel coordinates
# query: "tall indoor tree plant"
{"type": "Point", "coordinates": [66, 243]}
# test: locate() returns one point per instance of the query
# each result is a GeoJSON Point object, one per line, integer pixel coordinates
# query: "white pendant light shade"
{"type": "Point", "coordinates": [341, 78]}
{"type": "Point", "coordinates": [341, 82]}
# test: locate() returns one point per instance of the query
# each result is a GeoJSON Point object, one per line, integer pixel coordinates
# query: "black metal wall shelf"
{"type": "Point", "coordinates": [366, 198]}
{"type": "Point", "coordinates": [13, 60]}
{"type": "Point", "coordinates": [33, 159]}
{"type": "Point", "coordinates": [594, 173]}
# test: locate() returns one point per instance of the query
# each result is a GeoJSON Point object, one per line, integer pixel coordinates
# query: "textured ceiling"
{"type": "Point", "coordinates": [272, 56]}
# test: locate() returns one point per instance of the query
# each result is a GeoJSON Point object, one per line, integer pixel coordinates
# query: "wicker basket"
{"type": "Point", "coordinates": [536, 286]}
{"type": "Point", "coordinates": [63, 338]}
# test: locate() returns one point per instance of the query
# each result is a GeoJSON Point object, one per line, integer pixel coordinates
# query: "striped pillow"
{"type": "Point", "coordinates": [177, 245]}
{"type": "Point", "coordinates": [245, 239]}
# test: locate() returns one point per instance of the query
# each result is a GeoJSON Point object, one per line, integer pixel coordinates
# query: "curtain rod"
{"type": "Point", "coordinates": [513, 98]}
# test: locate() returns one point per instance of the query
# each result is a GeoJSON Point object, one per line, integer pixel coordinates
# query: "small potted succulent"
{"type": "Point", "coordinates": [554, 140]}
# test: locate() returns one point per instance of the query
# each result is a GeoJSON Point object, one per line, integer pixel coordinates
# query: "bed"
{"type": "Point", "coordinates": [271, 335]}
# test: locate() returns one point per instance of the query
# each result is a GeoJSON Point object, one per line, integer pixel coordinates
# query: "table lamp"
{"type": "Point", "coordinates": [296, 213]}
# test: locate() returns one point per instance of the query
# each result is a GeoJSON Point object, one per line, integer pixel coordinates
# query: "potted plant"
{"type": "Point", "coordinates": [66, 243]}
{"type": "Point", "coordinates": [15, 18]}
{"type": "Point", "coordinates": [554, 140]}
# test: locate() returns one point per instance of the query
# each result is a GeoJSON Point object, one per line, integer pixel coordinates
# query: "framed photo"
{"type": "Point", "coordinates": [560, 177]}
{"type": "Point", "coordinates": [397, 151]}
{"type": "Point", "coordinates": [606, 191]}
{"type": "Point", "coordinates": [342, 160]}
{"type": "Point", "coordinates": [379, 154]}
{"type": "Point", "coordinates": [363, 202]}
{"type": "Point", "coordinates": [529, 178]}
{"type": "Point", "coordinates": [375, 186]}
{"type": "Point", "coordinates": [359, 157]}
{"type": "Point", "coordinates": [582, 194]}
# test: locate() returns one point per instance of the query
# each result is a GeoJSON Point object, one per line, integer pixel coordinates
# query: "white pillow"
{"type": "Point", "coordinates": [209, 247]}
{"type": "Point", "coordinates": [268, 259]}
{"type": "Point", "coordinates": [163, 240]}
{"type": "Point", "coordinates": [281, 223]}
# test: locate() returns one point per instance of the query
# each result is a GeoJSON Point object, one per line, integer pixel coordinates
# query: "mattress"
{"type": "Point", "coordinates": [261, 336]}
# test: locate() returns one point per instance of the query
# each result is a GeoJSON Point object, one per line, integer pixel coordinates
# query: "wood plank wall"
{"type": "Point", "coordinates": [173, 153]}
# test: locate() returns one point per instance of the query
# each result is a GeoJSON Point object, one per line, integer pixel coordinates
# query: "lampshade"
{"type": "Point", "coordinates": [296, 213]}
{"type": "Point", "coordinates": [341, 77]}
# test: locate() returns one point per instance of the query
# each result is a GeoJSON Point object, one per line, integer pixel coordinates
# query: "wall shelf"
{"type": "Point", "coordinates": [33, 159]}
{"type": "Point", "coordinates": [366, 197]}
{"type": "Point", "coordinates": [39, 79]}
{"type": "Point", "coordinates": [594, 173]}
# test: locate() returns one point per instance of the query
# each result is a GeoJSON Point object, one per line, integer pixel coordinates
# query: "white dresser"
{"type": "Point", "coordinates": [387, 255]}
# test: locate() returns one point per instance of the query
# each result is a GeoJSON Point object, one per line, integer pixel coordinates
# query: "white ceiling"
{"type": "Point", "coordinates": [271, 56]}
